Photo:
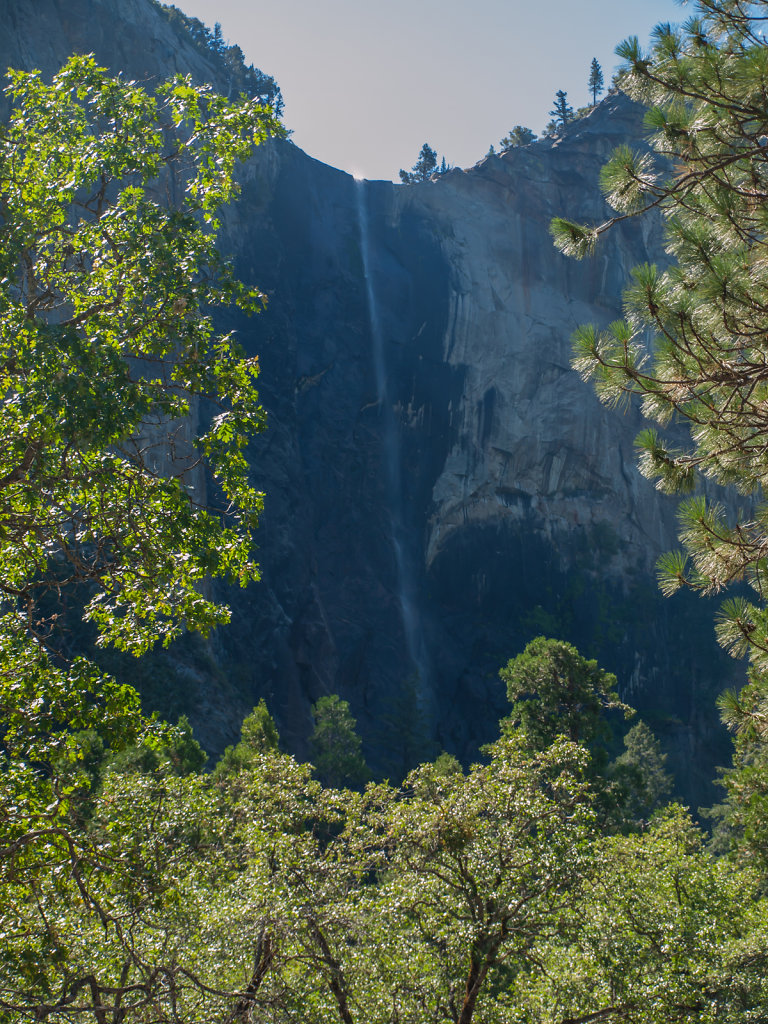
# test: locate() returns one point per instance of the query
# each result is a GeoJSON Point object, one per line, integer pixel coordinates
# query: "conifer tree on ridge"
{"type": "Point", "coordinates": [596, 83]}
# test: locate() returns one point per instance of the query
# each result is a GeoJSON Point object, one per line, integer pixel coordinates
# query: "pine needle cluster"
{"type": "Point", "coordinates": [694, 340]}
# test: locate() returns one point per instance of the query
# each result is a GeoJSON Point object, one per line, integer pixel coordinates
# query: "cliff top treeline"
{"type": "Point", "coordinates": [229, 59]}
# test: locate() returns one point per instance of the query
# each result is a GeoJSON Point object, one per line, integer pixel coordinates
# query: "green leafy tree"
{"type": "Point", "coordinates": [304, 909]}
{"type": "Point", "coordinates": [517, 136]}
{"type": "Point", "coordinates": [107, 347]}
{"type": "Point", "coordinates": [407, 905]}
{"type": "Point", "coordinates": [693, 344]}
{"type": "Point", "coordinates": [660, 932]}
{"type": "Point", "coordinates": [128, 928]}
{"type": "Point", "coordinates": [555, 691]}
{"type": "Point", "coordinates": [596, 83]}
{"type": "Point", "coordinates": [484, 896]}
{"type": "Point", "coordinates": [480, 869]}
{"type": "Point", "coordinates": [105, 342]}
{"type": "Point", "coordinates": [335, 747]}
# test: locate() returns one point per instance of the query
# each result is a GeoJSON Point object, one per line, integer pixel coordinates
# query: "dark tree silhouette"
{"type": "Point", "coordinates": [595, 84]}
{"type": "Point", "coordinates": [562, 112]}
{"type": "Point", "coordinates": [424, 167]}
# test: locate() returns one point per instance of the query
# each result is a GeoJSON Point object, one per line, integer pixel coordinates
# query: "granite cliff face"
{"type": "Point", "coordinates": [131, 36]}
{"type": "Point", "coordinates": [441, 486]}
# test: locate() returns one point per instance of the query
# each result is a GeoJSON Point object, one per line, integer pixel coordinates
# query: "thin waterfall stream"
{"type": "Point", "coordinates": [405, 582]}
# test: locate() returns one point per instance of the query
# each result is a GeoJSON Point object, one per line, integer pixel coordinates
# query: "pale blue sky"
{"type": "Point", "coordinates": [367, 82]}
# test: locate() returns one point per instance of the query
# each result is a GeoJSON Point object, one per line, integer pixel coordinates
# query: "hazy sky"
{"type": "Point", "coordinates": [366, 82]}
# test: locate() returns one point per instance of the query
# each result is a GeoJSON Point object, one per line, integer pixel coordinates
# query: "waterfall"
{"type": "Point", "coordinates": [405, 582]}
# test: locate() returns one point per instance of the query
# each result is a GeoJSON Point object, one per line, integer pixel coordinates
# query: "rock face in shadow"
{"type": "Point", "coordinates": [129, 36]}
{"type": "Point", "coordinates": [512, 506]}
{"type": "Point", "coordinates": [441, 486]}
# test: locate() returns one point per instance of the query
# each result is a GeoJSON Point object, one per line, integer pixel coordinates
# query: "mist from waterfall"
{"type": "Point", "coordinates": [406, 586]}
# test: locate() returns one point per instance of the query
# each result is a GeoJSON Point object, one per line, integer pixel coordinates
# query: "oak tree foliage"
{"type": "Point", "coordinates": [123, 477]}
{"type": "Point", "coordinates": [110, 199]}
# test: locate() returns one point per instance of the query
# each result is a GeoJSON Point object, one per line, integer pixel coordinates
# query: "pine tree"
{"type": "Point", "coordinates": [258, 735]}
{"type": "Point", "coordinates": [595, 84]}
{"type": "Point", "coordinates": [424, 167]}
{"type": "Point", "coordinates": [556, 691]}
{"type": "Point", "coordinates": [406, 731]}
{"type": "Point", "coordinates": [217, 41]}
{"type": "Point", "coordinates": [517, 136]}
{"type": "Point", "coordinates": [641, 773]}
{"type": "Point", "coordinates": [562, 112]}
{"type": "Point", "coordinates": [743, 815]}
{"type": "Point", "coordinates": [335, 745]}
{"type": "Point", "coordinates": [708, 362]}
